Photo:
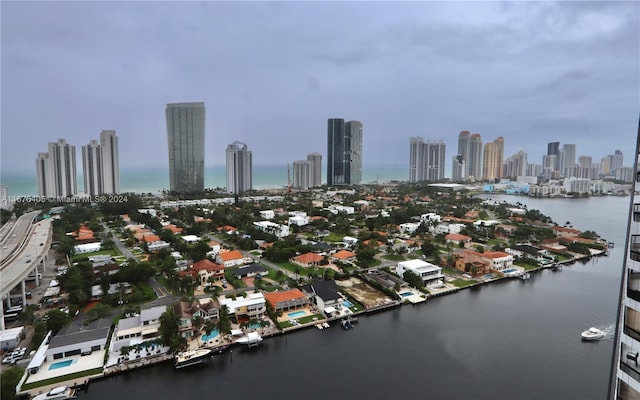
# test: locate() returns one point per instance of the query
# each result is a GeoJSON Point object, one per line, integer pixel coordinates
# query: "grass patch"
{"type": "Point", "coordinates": [106, 252]}
{"type": "Point", "coordinates": [62, 378]}
{"type": "Point", "coordinates": [334, 237]}
{"type": "Point", "coordinates": [393, 257]}
{"type": "Point", "coordinates": [309, 318]}
{"type": "Point", "coordinates": [463, 283]}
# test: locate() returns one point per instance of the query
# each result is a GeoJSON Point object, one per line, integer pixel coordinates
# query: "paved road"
{"type": "Point", "coordinates": [121, 247]}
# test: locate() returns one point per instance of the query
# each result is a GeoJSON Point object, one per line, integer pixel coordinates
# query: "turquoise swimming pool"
{"type": "Point", "coordinates": [296, 314]}
{"type": "Point", "coordinates": [60, 364]}
{"type": "Point", "coordinates": [210, 336]}
{"type": "Point", "coordinates": [347, 303]}
{"type": "Point", "coordinates": [406, 294]}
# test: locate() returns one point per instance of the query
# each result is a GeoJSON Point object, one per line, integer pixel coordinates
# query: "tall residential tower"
{"type": "Point", "coordinates": [625, 377]}
{"type": "Point", "coordinates": [344, 152]}
{"type": "Point", "coordinates": [239, 165]}
{"type": "Point", "coordinates": [426, 160]}
{"type": "Point", "coordinates": [185, 134]}
{"type": "Point", "coordinates": [56, 170]}
{"type": "Point", "coordinates": [100, 165]}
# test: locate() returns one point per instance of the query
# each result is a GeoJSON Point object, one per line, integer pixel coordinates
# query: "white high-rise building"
{"type": "Point", "coordinates": [426, 160]}
{"type": "Point", "coordinates": [239, 168]}
{"type": "Point", "coordinates": [56, 170]}
{"type": "Point", "coordinates": [110, 162]}
{"type": "Point", "coordinates": [315, 169]}
{"type": "Point", "coordinates": [101, 169]}
{"type": "Point", "coordinates": [92, 168]}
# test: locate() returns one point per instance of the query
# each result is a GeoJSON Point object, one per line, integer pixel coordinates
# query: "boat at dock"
{"type": "Point", "coordinates": [592, 334]}
{"type": "Point", "coordinates": [348, 322]}
{"type": "Point", "coordinates": [191, 357]}
{"type": "Point", "coordinates": [252, 339]}
{"type": "Point", "coordinates": [57, 393]}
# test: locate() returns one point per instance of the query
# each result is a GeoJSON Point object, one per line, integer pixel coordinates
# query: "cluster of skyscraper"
{"type": "Point", "coordinates": [475, 161]}
{"type": "Point", "coordinates": [56, 168]}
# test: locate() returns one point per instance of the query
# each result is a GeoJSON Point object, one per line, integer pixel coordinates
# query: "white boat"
{"type": "Point", "coordinates": [190, 357]}
{"type": "Point", "coordinates": [251, 339]}
{"type": "Point", "coordinates": [57, 393]}
{"type": "Point", "coordinates": [592, 334]}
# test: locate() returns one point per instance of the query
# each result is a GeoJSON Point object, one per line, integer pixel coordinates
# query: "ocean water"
{"type": "Point", "coordinates": [154, 180]}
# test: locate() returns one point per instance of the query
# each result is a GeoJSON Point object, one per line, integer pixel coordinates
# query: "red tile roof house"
{"type": "Point", "coordinates": [207, 269]}
{"type": "Point", "coordinates": [308, 259]}
{"type": "Point", "coordinates": [287, 299]}
{"type": "Point", "coordinates": [232, 258]}
{"type": "Point", "coordinates": [344, 255]}
{"type": "Point", "coordinates": [457, 237]}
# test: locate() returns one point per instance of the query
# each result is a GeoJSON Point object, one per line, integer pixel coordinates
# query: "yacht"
{"type": "Point", "coordinates": [57, 393]}
{"type": "Point", "coordinates": [190, 357]}
{"type": "Point", "coordinates": [592, 334]}
{"type": "Point", "coordinates": [251, 339]}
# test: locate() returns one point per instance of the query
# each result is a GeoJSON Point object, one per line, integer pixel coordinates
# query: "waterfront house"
{"type": "Point", "coordinates": [430, 274]}
{"type": "Point", "coordinates": [484, 262]}
{"type": "Point", "coordinates": [384, 279]}
{"type": "Point", "coordinates": [468, 262]}
{"type": "Point", "coordinates": [286, 300]}
{"type": "Point", "coordinates": [246, 308]}
{"type": "Point", "coordinates": [208, 310]}
{"type": "Point", "coordinates": [325, 294]}
{"type": "Point", "coordinates": [137, 328]}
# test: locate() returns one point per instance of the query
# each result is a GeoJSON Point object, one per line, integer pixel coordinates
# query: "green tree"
{"type": "Point", "coordinates": [224, 322]}
{"type": "Point", "coordinates": [197, 322]}
{"type": "Point", "coordinates": [169, 328]}
{"type": "Point", "coordinates": [56, 320]}
{"type": "Point", "coordinates": [413, 279]}
{"type": "Point", "coordinates": [8, 381]}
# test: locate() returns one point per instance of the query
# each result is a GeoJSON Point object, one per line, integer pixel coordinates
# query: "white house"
{"type": "Point", "coordinates": [336, 208]}
{"type": "Point", "coordinates": [149, 211]}
{"type": "Point", "coordinates": [252, 306]}
{"type": "Point", "coordinates": [430, 217]}
{"type": "Point", "coordinates": [87, 248]}
{"type": "Point", "coordinates": [409, 228]}
{"type": "Point", "coordinates": [349, 240]}
{"type": "Point", "coordinates": [279, 231]}
{"type": "Point", "coordinates": [430, 274]}
{"type": "Point", "coordinates": [448, 228]}
{"type": "Point", "coordinates": [191, 239]}
{"type": "Point", "coordinates": [299, 220]}
{"type": "Point", "coordinates": [137, 329]}
{"type": "Point", "coordinates": [267, 214]}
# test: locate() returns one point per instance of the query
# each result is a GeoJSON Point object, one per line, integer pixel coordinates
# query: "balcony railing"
{"type": "Point", "coordinates": [634, 248]}
{"type": "Point", "coordinates": [633, 294]}
{"type": "Point", "coordinates": [629, 370]}
{"type": "Point", "coordinates": [632, 333]}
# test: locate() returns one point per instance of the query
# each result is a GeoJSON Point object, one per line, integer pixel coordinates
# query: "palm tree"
{"type": "Point", "coordinates": [197, 322]}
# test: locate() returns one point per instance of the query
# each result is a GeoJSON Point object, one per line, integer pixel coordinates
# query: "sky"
{"type": "Point", "coordinates": [272, 73]}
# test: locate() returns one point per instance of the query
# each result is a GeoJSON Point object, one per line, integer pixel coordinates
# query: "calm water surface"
{"type": "Point", "coordinates": [509, 340]}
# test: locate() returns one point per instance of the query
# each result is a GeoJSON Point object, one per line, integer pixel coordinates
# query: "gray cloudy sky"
{"type": "Point", "coordinates": [272, 73]}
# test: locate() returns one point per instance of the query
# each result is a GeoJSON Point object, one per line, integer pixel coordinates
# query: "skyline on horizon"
{"type": "Point", "coordinates": [541, 72]}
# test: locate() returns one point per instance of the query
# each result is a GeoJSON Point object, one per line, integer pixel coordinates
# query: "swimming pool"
{"type": "Point", "coordinates": [296, 314]}
{"type": "Point", "coordinates": [406, 294]}
{"type": "Point", "coordinates": [210, 336]}
{"type": "Point", "coordinates": [508, 271]}
{"type": "Point", "coordinates": [347, 303]}
{"type": "Point", "coordinates": [60, 364]}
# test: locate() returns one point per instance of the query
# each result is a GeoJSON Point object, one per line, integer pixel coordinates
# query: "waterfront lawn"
{"type": "Point", "coordinates": [310, 318]}
{"type": "Point", "coordinates": [463, 283]}
{"type": "Point", "coordinates": [63, 378]}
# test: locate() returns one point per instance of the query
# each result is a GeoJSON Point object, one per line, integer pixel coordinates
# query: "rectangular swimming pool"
{"type": "Point", "coordinates": [60, 364]}
{"type": "Point", "coordinates": [406, 294]}
{"type": "Point", "coordinates": [296, 314]}
{"type": "Point", "coordinates": [347, 303]}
